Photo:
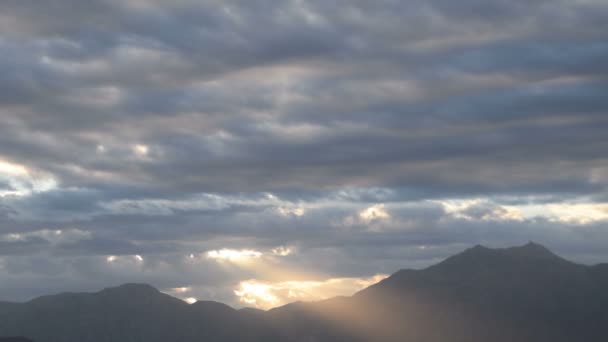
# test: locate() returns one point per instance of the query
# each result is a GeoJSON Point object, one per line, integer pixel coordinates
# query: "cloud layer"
{"type": "Point", "coordinates": [351, 138]}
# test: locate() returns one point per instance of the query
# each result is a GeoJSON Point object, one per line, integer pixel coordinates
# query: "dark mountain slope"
{"type": "Point", "coordinates": [523, 293]}
{"type": "Point", "coordinates": [132, 312]}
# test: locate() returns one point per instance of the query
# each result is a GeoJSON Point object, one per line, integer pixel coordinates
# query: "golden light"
{"type": "Point", "coordinates": [257, 294]}
{"type": "Point", "coordinates": [181, 289]}
{"type": "Point", "coordinates": [266, 295]}
{"type": "Point", "coordinates": [12, 169]}
{"type": "Point", "coordinates": [190, 300]}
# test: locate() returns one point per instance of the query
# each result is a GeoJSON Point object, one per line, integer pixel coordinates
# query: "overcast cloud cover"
{"type": "Point", "coordinates": [236, 150]}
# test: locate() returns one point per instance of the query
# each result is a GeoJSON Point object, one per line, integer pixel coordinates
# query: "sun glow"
{"type": "Point", "coordinates": [141, 150]}
{"type": "Point", "coordinates": [257, 294]}
{"type": "Point", "coordinates": [181, 289]}
{"type": "Point", "coordinates": [12, 169]}
{"type": "Point", "coordinates": [266, 295]}
{"type": "Point", "coordinates": [190, 300]}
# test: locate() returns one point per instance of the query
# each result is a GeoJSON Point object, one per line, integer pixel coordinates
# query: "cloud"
{"type": "Point", "coordinates": [20, 181]}
{"type": "Point", "coordinates": [337, 139]}
{"type": "Point", "coordinates": [233, 255]}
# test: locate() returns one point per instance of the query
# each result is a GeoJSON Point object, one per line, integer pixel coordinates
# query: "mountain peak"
{"type": "Point", "coordinates": [478, 249]}
{"type": "Point", "coordinates": [531, 250]}
{"type": "Point", "coordinates": [475, 251]}
{"type": "Point", "coordinates": [481, 255]}
{"type": "Point", "coordinates": [132, 288]}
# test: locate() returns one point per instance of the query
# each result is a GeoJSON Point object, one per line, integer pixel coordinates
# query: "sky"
{"type": "Point", "coordinates": [259, 152]}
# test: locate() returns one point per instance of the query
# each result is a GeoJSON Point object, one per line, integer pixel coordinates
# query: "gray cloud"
{"type": "Point", "coordinates": [169, 128]}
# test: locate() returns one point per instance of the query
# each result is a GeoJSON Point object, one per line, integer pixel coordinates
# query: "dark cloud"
{"type": "Point", "coordinates": [341, 129]}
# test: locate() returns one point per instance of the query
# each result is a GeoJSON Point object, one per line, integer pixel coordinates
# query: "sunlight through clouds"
{"type": "Point", "coordinates": [259, 295]}
{"type": "Point", "coordinates": [234, 254]}
{"type": "Point", "coordinates": [266, 295]}
{"type": "Point", "coordinates": [241, 255]}
{"type": "Point", "coordinates": [571, 213]}
{"type": "Point", "coordinates": [374, 218]}
{"type": "Point", "coordinates": [20, 181]}
{"type": "Point", "coordinates": [376, 212]}
{"type": "Point", "coordinates": [282, 251]}
{"type": "Point", "coordinates": [479, 209]}
{"type": "Point", "coordinates": [190, 300]}
{"type": "Point", "coordinates": [179, 292]}
{"type": "Point", "coordinates": [12, 169]}
{"type": "Point", "coordinates": [141, 150]}
{"type": "Point", "coordinates": [181, 289]}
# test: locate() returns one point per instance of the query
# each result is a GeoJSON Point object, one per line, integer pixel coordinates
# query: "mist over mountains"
{"type": "Point", "coordinates": [523, 293]}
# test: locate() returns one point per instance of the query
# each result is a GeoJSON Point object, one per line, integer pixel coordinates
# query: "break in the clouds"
{"type": "Point", "coordinates": [252, 151]}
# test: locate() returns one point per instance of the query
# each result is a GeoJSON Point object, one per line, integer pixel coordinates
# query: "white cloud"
{"type": "Point", "coordinates": [201, 201]}
{"type": "Point", "coordinates": [23, 181]}
{"type": "Point", "coordinates": [376, 212]}
{"type": "Point", "coordinates": [53, 236]}
{"type": "Point", "coordinates": [478, 209]}
{"type": "Point", "coordinates": [571, 213]}
{"type": "Point", "coordinates": [282, 251]}
{"type": "Point", "coordinates": [291, 211]}
{"type": "Point", "coordinates": [234, 255]}
{"type": "Point", "coordinates": [141, 150]}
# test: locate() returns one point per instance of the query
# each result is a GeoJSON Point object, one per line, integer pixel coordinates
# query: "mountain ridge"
{"type": "Point", "coordinates": [523, 293]}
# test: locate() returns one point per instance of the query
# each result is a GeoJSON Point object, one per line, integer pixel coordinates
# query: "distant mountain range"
{"type": "Point", "coordinates": [524, 293]}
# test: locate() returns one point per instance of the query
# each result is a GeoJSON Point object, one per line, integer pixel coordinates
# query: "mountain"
{"type": "Point", "coordinates": [131, 312]}
{"type": "Point", "coordinates": [523, 293]}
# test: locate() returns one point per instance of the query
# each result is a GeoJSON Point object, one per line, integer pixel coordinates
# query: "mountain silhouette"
{"type": "Point", "coordinates": [523, 293]}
